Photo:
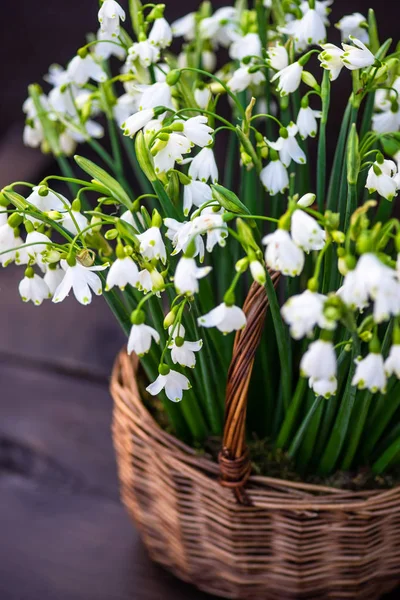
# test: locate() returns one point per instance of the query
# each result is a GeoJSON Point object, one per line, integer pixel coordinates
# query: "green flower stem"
{"type": "Point", "coordinates": [351, 203]}
{"type": "Point", "coordinates": [141, 178]}
{"type": "Point", "coordinates": [384, 461]}
{"type": "Point", "coordinates": [321, 160]}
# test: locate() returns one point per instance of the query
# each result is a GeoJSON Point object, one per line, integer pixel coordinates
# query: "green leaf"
{"type": "Point", "coordinates": [384, 461]}
{"type": "Point", "coordinates": [228, 199]}
{"type": "Point", "coordinates": [114, 188]}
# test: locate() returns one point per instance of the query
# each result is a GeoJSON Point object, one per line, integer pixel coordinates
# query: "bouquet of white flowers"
{"type": "Point", "coordinates": [175, 247]}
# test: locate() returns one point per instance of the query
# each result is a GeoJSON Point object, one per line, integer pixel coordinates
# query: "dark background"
{"type": "Point", "coordinates": [63, 532]}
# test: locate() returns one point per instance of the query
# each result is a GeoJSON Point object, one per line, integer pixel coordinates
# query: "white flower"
{"type": "Point", "coordinates": [50, 201]}
{"type": "Point", "coordinates": [125, 107]}
{"type": "Point", "coordinates": [37, 243]}
{"type": "Point", "coordinates": [203, 166]}
{"type": "Point", "coordinates": [67, 143]}
{"type": "Point", "coordinates": [33, 288]}
{"type": "Point", "coordinates": [248, 45]}
{"type": "Point", "coordinates": [161, 34]}
{"type": "Point", "coordinates": [219, 28]}
{"type": "Point", "coordinates": [74, 222]}
{"type": "Point", "coordinates": [144, 281]}
{"type": "Point", "coordinates": [282, 254]}
{"type": "Point", "coordinates": [202, 96]}
{"type": "Point", "coordinates": [122, 272]}
{"type": "Point", "coordinates": [195, 193]}
{"type": "Point", "coordinates": [321, 6]}
{"type": "Point", "coordinates": [289, 78]}
{"type": "Point", "coordinates": [140, 339]}
{"type": "Point", "coordinates": [319, 362]}
{"type": "Point", "coordinates": [181, 234]}
{"type": "Point", "coordinates": [357, 56]}
{"type": "Point", "coordinates": [307, 122]}
{"type": "Point", "coordinates": [213, 224]}
{"type": "Point", "coordinates": [152, 245]}
{"type": "Point", "coordinates": [187, 274]}
{"type": "Point", "coordinates": [306, 232]}
{"type": "Point", "coordinates": [197, 131]}
{"type": "Point", "coordinates": [242, 78]}
{"type": "Point", "coordinates": [8, 242]}
{"type": "Point", "coordinates": [182, 352]}
{"type": "Point", "coordinates": [387, 121]}
{"type": "Point", "coordinates": [173, 151]}
{"type": "Point", "coordinates": [392, 363]}
{"type": "Point", "coordinates": [109, 16]}
{"type": "Point", "coordinates": [137, 121]}
{"type": "Point", "coordinates": [274, 177]}
{"type": "Point", "coordinates": [225, 318]}
{"type": "Point", "coordinates": [381, 178]}
{"type": "Point", "coordinates": [80, 70]}
{"type": "Point", "coordinates": [278, 58]}
{"type": "Point", "coordinates": [257, 272]}
{"type": "Point", "coordinates": [107, 47]}
{"type": "Point", "coordinates": [185, 27]}
{"type": "Point", "coordinates": [303, 312]}
{"type": "Point", "coordinates": [173, 382]}
{"type": "Point", "coordinates": [324, 387]}
{"type": "Point", "coordinates": [53, 277]}
{"type": "Point", "coordinates": [33, 135]}
{"type": "Point", "coordinates": [81, 280]}
{"type": "Point", "coordinates": [331, 60]}
{"type": "Point", "coordinates": [308, 30]}
{"type": "Point", "coordinates": [288, 147]}
{"type": "Point", "coordinates": [306, 200]}
{"type": "Point", "coordinates": [145, 52]}
{"type": "Point", "coordinates": [370, 373]}
{"type": "Point", "coordinates": [157, 94]}
{"type": "Point", "coordinates": [350, 25]}
{"type": "Point", "coordinates": [387, 300]}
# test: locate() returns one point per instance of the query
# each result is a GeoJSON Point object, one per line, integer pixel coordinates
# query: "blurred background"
{"type": "Point", "coordinates": [64, 534]}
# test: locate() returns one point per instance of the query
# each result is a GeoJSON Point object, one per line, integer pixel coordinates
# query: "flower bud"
{"type": "Point", "coordinates": [52, 256]}
{"type": "Point", "coordinates": [338, 237]}
{"type": "Point", "coordinates": [111, 234]}
{"type": "Point", "coordinates": [143, 157]}
{"type": "Point", "coordinates": [228, 199]}
{"type": "Point", "coordinates": [156, 219]}
{"type": "Point", "coordinates": [157, 280]}
{"type": "Point", "coordinates": [306, 200]}
{"type": "Point", "coordinates": [258, 272]}
{"type": "Point", "coordinates": [95, 222]}
{"type": "Point", "coordinates": [173, 77]}
{"type": "Point", "coordinates": [14, 220]}
{"type": "Point", "coordinates": [310, 80]}
{"type": "Point", "coordinates": [242, 265]}
{"type": "Point", "coordinates": [169, 319]}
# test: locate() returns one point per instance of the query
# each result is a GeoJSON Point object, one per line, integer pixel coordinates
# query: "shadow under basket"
{"type": "Point", "coordinates": [276, 539]}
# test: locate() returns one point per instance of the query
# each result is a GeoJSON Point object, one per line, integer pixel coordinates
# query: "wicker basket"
{"type": "Point", "coordinates": [241, 536]}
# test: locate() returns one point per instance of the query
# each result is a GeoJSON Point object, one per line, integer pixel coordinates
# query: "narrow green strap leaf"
{"type": "Point", "coordinates": [292, 413]}
{"type": "Point", "coordinates": [298, 438]}
{"type": "Point", "coordinates": [338, 160]}
{"type": "Point", "coordinates": [321, 161]}
{"type": "Point", "coordinates": [115, 188]}
{"type": "Point", "coordinates": [384, 461]}
{"type": "Point", "coordinates": [362, 406]}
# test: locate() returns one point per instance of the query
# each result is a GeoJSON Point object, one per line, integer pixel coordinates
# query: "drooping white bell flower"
{"type": "Point", "coordinates": [392, 363]}
{"type": "Point", "coordinates": [140, 339]}
{"type": "Point", "coordinates": [248, 45]}
{"type": "Point", "coordinates": [274, 177]}
{"type": "Point", "coordinates": [157, 94]}
{"type": "Point", "coordinates": [303, 312]}
{"type": "Point", "coordinates": [288, 147]}
{"type": "Point", "coordinates": [53, 277]}
{"type": "Point", "coordinates": [288, 78]}
{"type": "Point", "coordinates": [185, 27]}
{"type": "Point", "coordinates": [152, 245]}
{"type": "Point", "coordinates": [49, 201]}
{"type": "Point", "coordinates": [197, 131]}
{"type": "Point", "coordinates": [183, 352]}
{"type": "Point", "coordinates": [161, 34]}
{"type": "Point", "coordinates": [319, 362]}
{"type": "Point", "coordinates": [107, 47]}
{"type": "Point", "coordinates": [61, 101]}
{"type": "Point", "coordinates": [306, 232]}
{"type": "Point", "coordinates": [387, 121]}
{"type": "Point", "coordinates": [74, 222]}
{"type": "Point", "coordinates": [308, 30]}
{"type": "Point", "coordinates": [122, 272]}
{"type": "Point", "coordinates": [350, 25]}
{"type": "Point", "coordinates": [370, 373]}
{"type": "Point", "coordinates": [137, 121]}
{"type": "Point", "coordinates": [172, 382]}
{"type": "Point", "coordinates": [282, 254]}
{"type": "Point", "coordinates": [202, 96]}
{"type": "Point", "coordinates": [181, 235]}
{"type": "Point", "coordinates": [257, 272]}
{"type": "Point", "coordinates": [381, 178]}
{"type": "Point", "coordinates": [9, 241]}
{"type": "Point", "coordinates": [321, 6]}
{"type": "Point", "coordinates": [387, 300]}
{"type": "Point", "coordinates": [324, 387]}
{"type": "Point", "coordinates": [172, 152]}
{"type": "Point", "coordinates": [36, 244]}
{"type": "Point", "coordinates": [80, 70]}
{"type": "Point", "coordinates": [144, 281]}
{"type": "Point", "coordinates": [278, 58]}
{"type": "Point", "coordinates": [33, 288]}
{"type": "Point", "coordinates": [220, 27]}
{"type": "Point", "coordinates": [146, 53]}
{"type": "Point", "coordinates": [109, 16]}
{"type": "Point", "coordinates": [213, 225]}
{"type": "Point", "coordinates": [242, 78]}
{"type": "Point", "coordinates": [195, 193]}
{"type": "Point", "coordinates": [81, 280]}
{"type": "Point", "coordinates": [331, 60]}
{"type": "Point", "coordinates": [203, 166]}
{"type": "Point", "coordinates": [125, 107]}
{"type": "Point", "coordinates": [67, 143]}
{"type": "Point", "coordinates": [225, 318]}
{"type": "Point", "coordinates": [187, 274]}
{"type": "Point", "coordinates": [33, 134]}
{"type": "Point", "coordinates": [357, 56]}
{"type": "Point", "coordinates": [307, 122]}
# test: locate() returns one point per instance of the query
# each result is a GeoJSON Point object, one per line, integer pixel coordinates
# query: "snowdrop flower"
{"type": "Point", "coordinates": [225, 318]}
{"type": "Point", "coordinates": [122, 272]}
{"type": "Point", "coordinates": [152, 245]}
{"type": "Point", "coordinates": [157, 94]}
{"type": "Point", "coordinates": [248, 45]}
{"type": "Point", "coordinates": [319, 362]}
{"type": "Point", "coordinates": [288, 78]}
{"type": "Point", "coordinates": [67, 143]}
{"type": "Point", "coordinates": [219, 27]}
{"type": "Point", "coordinates": [357, 56]}
{"type": "Point", "coordinates": [278, 58]}
{"type": "Point", "coordinates": [144, 281]}
{"type": "Point", "coordinates": [9, 241]}
{"type": "Point", "coordinates": [125, 107]}
{"type": "Point", "coordinates": [185, 27]}
{"type": "Point", "coordinates": [303, 312]}
{"type": "Point", "coordinates": [392, 363]}
{"type": "Point", "coordinates": [46, 200]}
{"type": "Point", "coordinates": [145, 52]}
{"type": "Point", "coordinates": [195, 193]}
{"type": "Point", "coordinates": [387, 300]}
{"type": "Point", "coordinates": [331, 60]}
{"type": "Point", "coordinates": [202, 96]}
{"type": "Point", "coordinates": [274, 176]}
{"type": "Point", "coordinates": [387, 121]}
{"type": "Point", "coordinates": [282, 254]}
{"type": "Point", "coordinates": [288, 147]}
{"type": "Point", "coordinates": [173, 151]}
{"type": "Point", "coordinates": [203, 166]}
{"type": "Point", "coordinates": [381, 178]}
{"type": "Point", "coordinates": [33, 135]}
{"type": "Point", "coordinates": [321, 6]}
{"type": "Point", "coordinates": [80, 70]}
{"type": "Point", "coordinates": [181, 235]}
{"type": "Point", "coordinates": [107, 48]}
{"type": "Point", "coordinates": [307, 122]}
{"type": "Point", "coordinates": [74, 222]}
{"type": "Point", "coordinates": [370, 373]}
{"type": "Point", "coordinates": [53, 277]}
{"type": "Point", "coordinates": [37, 243]}
{"type": "Point", "coordinates": [172, 382]}
{"type": "Point", "coordinates": [242, 78]}
{"type": "Point", "coordinates": [161, 34]}
{"type": "Point", "coordinates": [197, 131]}
{"type": "Point", "coordinates": [182, 352]}
{"type": "Point", "coordinates": [81, 280]}
{"type": "Point", "coordinates": [257, 272]}
{"type": "Point", "coordinates": [140, 338]}
{"type": "Point", "coordinates": [214, 225]}
{"type": "Point", "coordinates": [137, 121]}
{"type": "Point", "coordinates": [33, 288]}
{"type": "Point", "coordinates": [187, 274]}
{"type": "Point", "coordinates": [110, 14]}
{"type": "Point", "coordinates": [310, 29]}
{"type": "Point", "coordinates": [324, 387]}
{"type": "Point", "coordinates": [306, 232]}
{"type": "Point", "coordinates": [350, 25]}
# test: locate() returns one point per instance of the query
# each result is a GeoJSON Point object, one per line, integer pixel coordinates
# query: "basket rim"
{"type": "Point", "coordinates": [285, 494]}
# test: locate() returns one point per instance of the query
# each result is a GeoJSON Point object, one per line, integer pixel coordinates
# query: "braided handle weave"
{"type": "Point", "coordinates": [234, 459]}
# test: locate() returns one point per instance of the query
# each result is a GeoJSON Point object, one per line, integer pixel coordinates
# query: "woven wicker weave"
{"type": "Point", "coordinates": [253, 538]}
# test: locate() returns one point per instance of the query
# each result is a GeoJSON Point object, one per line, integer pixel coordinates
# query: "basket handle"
{"type": "Point", "coordinates": [234, 459]}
